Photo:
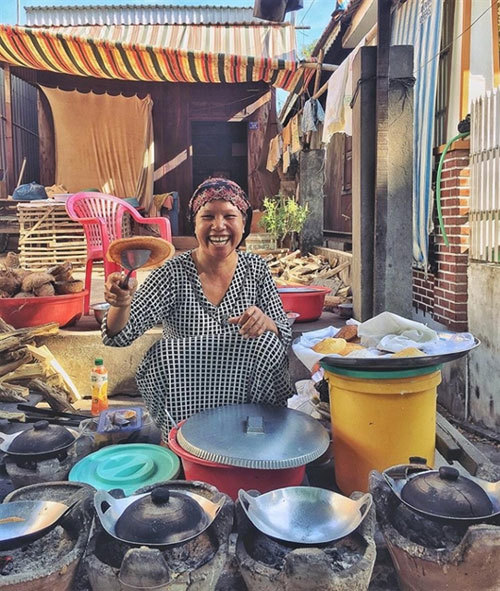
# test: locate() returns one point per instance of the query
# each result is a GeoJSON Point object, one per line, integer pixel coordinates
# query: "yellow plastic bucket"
{"type": "Point", "coordinates": [379, 421]}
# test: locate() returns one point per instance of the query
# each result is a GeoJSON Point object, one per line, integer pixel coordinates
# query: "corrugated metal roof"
{"type": "Point", "coordinates": [153, 14]}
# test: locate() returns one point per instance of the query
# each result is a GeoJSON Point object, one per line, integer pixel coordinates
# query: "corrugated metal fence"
{"type": "Point", "coordinates": [25, 129]}
{"type": "Point", "coordinates": [485, 178]}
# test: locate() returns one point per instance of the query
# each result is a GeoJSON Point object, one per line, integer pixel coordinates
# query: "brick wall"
{"type": "Point", "coordinates": [443, 294]}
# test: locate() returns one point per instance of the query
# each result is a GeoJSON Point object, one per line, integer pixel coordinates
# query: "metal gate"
{"type": "Point", "coordinates": [485, 178]}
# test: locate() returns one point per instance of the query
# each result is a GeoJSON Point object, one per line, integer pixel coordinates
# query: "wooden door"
{"type": "Point", "coordinates": [220, 149]}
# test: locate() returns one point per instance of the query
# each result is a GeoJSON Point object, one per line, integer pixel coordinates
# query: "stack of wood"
{"type": "Point", "coordinates": [290, 268]}
{"type": "Point", "coordinates": [25, 366]}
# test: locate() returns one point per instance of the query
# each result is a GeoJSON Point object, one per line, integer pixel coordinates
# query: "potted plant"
{"type": "Point", "coordinates": [283, 218]}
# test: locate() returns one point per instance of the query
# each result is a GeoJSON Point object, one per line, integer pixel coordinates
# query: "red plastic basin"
{"type": "Point", "coordinates": [63, 309]}
{"type": "Point", "coordinates": [229, 479]}
{"type": "Point", "coordinates": [308, 305]}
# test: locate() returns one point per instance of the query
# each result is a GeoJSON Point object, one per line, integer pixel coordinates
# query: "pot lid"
{"type": "Point", "coordinates": [161, 517]}
{"type": "Point", "coordinates": [41, 438]}
{"type": "Point", "coordinates": [254, 436]}
{"type": "Point", "coordinates": [446, 493]}
{"type": "Point", "coordinates": [128, 466]}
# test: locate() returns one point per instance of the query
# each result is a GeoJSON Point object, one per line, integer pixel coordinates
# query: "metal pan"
{"type": "Point", "coordinates": [398, 363]}
{"type": "Point", "coordinates": [9, 438]}
{"type": "Point", "coordinates": [305, 514]}
{"type": "Point", "coordinates": [22, 522]}
{"type": "Point", "coordinates": [116, 507]}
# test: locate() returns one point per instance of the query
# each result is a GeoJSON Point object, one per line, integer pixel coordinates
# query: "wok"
{"type": "Point", "coordinates": [22, 522]}
{"type": "Point", "coordinates": [305, 514]}
{"type": "Point", "coordinates": [398, 477]}
{"type": "Point", "coordinates": [9, 438]}
{"type": "Point", "coordinates": [116, 508]}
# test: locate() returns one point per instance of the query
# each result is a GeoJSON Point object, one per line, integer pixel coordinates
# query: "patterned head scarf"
{"type": "Point", "coordinates": [218, 188]}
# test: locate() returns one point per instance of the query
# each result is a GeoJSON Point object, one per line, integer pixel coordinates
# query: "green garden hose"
{"type": "Point", "coordinates": [438, 184]}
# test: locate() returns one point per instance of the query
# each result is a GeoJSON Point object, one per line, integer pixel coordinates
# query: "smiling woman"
{"type": "Point", "coordinates": [225, 332]}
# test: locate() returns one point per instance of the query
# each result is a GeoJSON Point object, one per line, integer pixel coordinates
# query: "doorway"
{"type": "Point", "coordinates": [219, 150]}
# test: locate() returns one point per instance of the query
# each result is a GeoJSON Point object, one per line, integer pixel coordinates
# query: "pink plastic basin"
{"type": "Point", "coordinates": [63, 309]}
{"type": "Point", "coordinates": [309, 305]}
{"type": "Point", "coordinates": [229, 479]}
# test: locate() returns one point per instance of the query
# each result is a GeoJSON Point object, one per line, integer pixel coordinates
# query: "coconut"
{"type": "Point", "coordinates": [9, 282]}
{"type": "Point", "coordinates": [34, 281]}
{"type": "Point", "coordinates": [23, 294]}
{"type": "Point", "coordinates": [61, 272]}
{"type": "Point", "coordinates": [47, 289]}
{"type": "Point", "coordinates": [72, 286]}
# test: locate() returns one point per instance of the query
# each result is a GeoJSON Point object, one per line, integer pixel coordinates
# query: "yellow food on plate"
{"type": "Point", "coordinates": [329, 346]}
{"type": "Point", "coordinates": [349, 348]}
{"type": "Point", "coordinates": [409, 352]}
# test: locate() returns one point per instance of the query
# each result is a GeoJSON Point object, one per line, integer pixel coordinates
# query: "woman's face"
{"type": "Point", "coordinates": [219, 227]}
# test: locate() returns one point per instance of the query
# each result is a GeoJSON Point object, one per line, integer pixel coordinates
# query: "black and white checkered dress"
{"type": "Point", "coordinates": [201, 361]}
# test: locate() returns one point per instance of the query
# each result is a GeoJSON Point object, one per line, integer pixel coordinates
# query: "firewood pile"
{"type": "Point", "coordinates": [25, 366]}
{"type": "Point", "coordinates": [294, 269]}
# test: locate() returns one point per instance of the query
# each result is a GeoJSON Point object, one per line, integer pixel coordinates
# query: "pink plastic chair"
{"type": "Point", "coordinates": [101, 217]}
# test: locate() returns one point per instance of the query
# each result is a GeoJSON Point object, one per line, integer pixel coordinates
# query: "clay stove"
{"type": "Point", "coordinates": [195, 565]}
{"type": "Point", "coordinates": [429, 555]}
{"type": "Point", "coordinates": [51, 562]}
{"type": "Point", "coordinates": [267, 564]}
{"type": "Point", "coordinates": [57, 468]}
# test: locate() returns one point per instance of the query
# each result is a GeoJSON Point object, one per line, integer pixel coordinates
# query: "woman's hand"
{"type": "Point", "coordinates": [116, 296]}
{"type": "Point", "coordinates": [253, 323]}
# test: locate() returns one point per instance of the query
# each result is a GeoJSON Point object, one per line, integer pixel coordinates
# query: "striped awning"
{"type": "Point", "coordinates": [159, 53]}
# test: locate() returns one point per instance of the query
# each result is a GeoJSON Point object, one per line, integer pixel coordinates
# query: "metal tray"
{"type": "Point", "coordinates": [398, 363]}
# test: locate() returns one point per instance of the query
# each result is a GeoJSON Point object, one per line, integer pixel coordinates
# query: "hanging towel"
{"type": "Point", "coordinates": [287, 136]}
{"type": "Point", "coordinates": [274, 154]}
{"type": "Point", "coordinates": [295, 135]}
{"type": "Point", "coordinates": [286, 158]}
{"type": "Point", "coordinates": [312, 115]}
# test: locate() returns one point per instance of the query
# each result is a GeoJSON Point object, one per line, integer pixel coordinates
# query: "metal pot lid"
{"type": "Point", "coordinates": [161, 516]}
{"type": "Point", "coordinates": [254, 436]}
{"type": "Point", "coordinates": [158, 518]}
{"type": "Point", "coordinates": [41, 438]}
{"type": "Point", "coordinates": [445, 492]}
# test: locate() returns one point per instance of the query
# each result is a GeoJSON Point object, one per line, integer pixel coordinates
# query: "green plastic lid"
{"type": "Point", "coordinates": [129, 466]}
{"type": "Point", "coordinates": [98, 361]}
{"type": "Point", "coordinates": [380, 375]}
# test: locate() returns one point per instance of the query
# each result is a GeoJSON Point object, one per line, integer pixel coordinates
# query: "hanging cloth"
{"type": "Point", "coordinates": [295, 135]}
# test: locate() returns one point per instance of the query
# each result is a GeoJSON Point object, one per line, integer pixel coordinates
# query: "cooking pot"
{"type": "Point", "coordinates": [444, 494]}
{"type": "Point", "coordinates": [41, 441]}
{"type": "Point", "coordinates": [305, 514]}
{"type": "Point", "coordinates": [251, 446]}
{"type": "Point", "coordinates": [161, 517]}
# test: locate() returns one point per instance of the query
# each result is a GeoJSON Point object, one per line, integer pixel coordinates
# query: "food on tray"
{"type": "Point", "coordinates": [12, 519]}
{"type": "Point", "coordinates": [330, 346]}
{"type": "Point", "coordinates": [409, 352]}
{"type": "Point", "coordinates": [349, 348]}
{"type": "Point", "coordinates": [348, 332]}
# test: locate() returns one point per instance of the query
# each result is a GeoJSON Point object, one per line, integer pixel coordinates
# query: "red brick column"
{"type": "Point", "coordinates": [444, 294]}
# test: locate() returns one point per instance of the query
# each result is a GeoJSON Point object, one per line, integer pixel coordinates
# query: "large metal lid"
{"type": "Point", "coordinates": [254, 436]}
{"type": "Point", "coordinates": [41, 438]}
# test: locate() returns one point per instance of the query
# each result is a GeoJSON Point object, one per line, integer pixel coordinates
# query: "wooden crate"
{"type": "Point", "coordinates": [47, 236]}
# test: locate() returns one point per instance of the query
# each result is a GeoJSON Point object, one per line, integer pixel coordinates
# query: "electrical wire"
{"type": "Point", "coordinates": [307, 11]}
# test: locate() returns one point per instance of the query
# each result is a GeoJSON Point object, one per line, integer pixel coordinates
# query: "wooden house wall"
{"type": "Point", "coordinates": [175, 107]}
{"type": "Point", "coordinates": [337, 187]}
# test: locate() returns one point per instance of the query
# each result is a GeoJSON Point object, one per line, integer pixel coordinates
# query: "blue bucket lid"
{"type": "Point", "coordinates": [128, 466]}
